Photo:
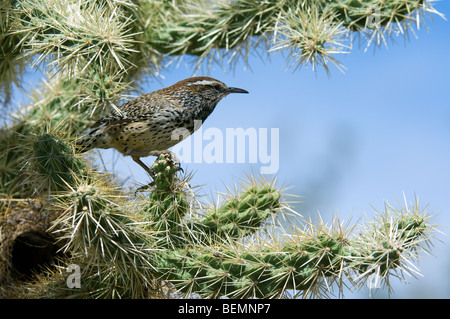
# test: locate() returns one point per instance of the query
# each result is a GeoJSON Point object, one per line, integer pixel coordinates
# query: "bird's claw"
{"type": "Point", "coordinates": [144, 187]}
{"type": "Point", "coordinates": [169, 155]}
{"type": "Point", "coordinates": [179, 168]}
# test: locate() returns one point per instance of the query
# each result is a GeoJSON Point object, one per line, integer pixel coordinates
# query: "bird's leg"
{"type": "Point", "coordinates": [173, 157]}
{"type": "Point", "coordinates": [149, 171]}
{"type": "Point", "coordinates": [137, 159]}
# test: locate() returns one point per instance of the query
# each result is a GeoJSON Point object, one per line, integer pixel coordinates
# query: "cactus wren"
{"type": "Point", "coordinates": [144, 126]}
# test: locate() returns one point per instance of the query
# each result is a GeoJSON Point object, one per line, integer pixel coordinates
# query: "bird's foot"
{"type": "Point", "coordinates": [143, 188]}
{"type": "Point", "coordinates": [169, 155]}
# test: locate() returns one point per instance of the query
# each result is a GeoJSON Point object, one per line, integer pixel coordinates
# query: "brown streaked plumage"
{"type": "Point", "coordinates": [145, 125]}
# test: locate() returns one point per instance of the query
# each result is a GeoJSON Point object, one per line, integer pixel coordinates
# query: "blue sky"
{"type": "Point", "coordinates": [347, 142]}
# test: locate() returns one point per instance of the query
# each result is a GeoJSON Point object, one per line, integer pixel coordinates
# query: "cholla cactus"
{"type": "Point", "coordinates": [229, 249]}
{"type": "Point", "coordinates": [163, 240]}
{"type": "Point", "coordinates": [133, 247]}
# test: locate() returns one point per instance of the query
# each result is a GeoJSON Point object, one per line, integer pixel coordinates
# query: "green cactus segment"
{"type": "Point", "coordinates": [182, 34]}
{"type": "Point", "coordinates": [241, 215]}
{"type": "Point", "coordinates": [70, 105]}
{"type": "Point", "coordinates": [258, 274]}
{"type": "Point", "coordinates": [365, 14]}
{"type": "Point", "coordinates": [107, 243]}
{"type": "Point", "coordinates": [128, 36]}
{"type": "Point", "coordinates": [105, 220]}
{"type": "Point", "coordinates": [164, 170]}
{"type": "Point", "coordinates": [11, 161]}
{"type": "Point", "coordinates": [167, 204]}
{"type": "Point", "coordinates": [411, 228]}
{"type": "Point", "coordinates": [166, 208]}
{"type": "Point", "coordinates": [11, 69]}
{"type": "Point", "coordinates": [301, 265]}
{"type": "Point", "coordinates": [163, 214]}
{"type": "Point", "coordinates": [389, 245]}
{"type": "Point", "coordinates": [67, 29]}
{"type": "Point", "coordinates": [55, 163]}
{"type": "Point", "coordinates": [203, 256]}
{"type": "Point", "coordinates": [94, 219]}
{"type": "Point", "coordinates": [221, 252]}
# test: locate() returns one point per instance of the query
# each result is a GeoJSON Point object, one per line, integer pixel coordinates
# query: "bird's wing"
{"type": "Point", "coordinates": [136, 109]}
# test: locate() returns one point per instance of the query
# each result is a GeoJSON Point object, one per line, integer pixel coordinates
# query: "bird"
{"type": "Point", "coordinates": [144, 126]}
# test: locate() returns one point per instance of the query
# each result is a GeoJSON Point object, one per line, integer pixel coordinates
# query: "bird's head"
{"type": "Point", "coordinates": [207, 88]}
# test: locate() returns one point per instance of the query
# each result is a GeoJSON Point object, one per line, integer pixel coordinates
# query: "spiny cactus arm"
{"type": "Point", "coordinates": [56, 107]}
{"type": "Point", "coordinates": [88, 194]}
{"type": "Point", "coordinates": [242, 214]}
{"type": "Point", "coordinates": [34, 161]}
{"type": "Point", "coordinates": [131, 36]}
{"type": "Point", "coordinates": [120, 256]}
{"type": "Point", "coordinates": [96, 228]}
{"type": "Point", "coordinates": [198, 25]}
{"type": "Point", "coordinates": [167, 206]}
{"type": "Point", "coordinates": [257, 269]}
{"type": "Point", "coordinates": [359, 15]}
{"type": "Point", "coordinates": [11, 69]}
{"type": "Point", "coordinates": [311, 31]}
{"type": "Point", "coordinates": [105, 240]}
{"type": "Point", "coordinates": [12, 159]}
{"type": "Point", "coordinates": [307, 265]}
{"type": "Point", "coordinates": [391, 244]}
{"type": "Point", "coordinates": [195, 27]}
{"type": "Point", "coordinates": [67, 105]}
{"type": "Point", "coordinates": [72, 36]}
{"type": "Point", "coordinates": [232, 255]}
{"type": "Point", "coordinates": [89, 50]}
{"type": "Point", "coordinates": [53, 161]}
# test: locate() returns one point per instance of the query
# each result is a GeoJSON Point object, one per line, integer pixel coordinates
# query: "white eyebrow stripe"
{"type": "Point", "coordinates": [203, 82]}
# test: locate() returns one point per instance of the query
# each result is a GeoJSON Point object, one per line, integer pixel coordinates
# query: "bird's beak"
{"type": "Point", "coordinates": [235, 90]}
